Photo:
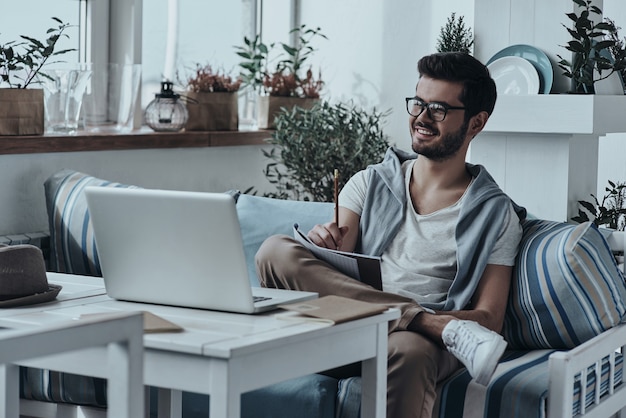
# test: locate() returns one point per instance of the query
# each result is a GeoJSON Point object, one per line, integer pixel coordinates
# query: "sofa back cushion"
{"type": "Point", "coordinates": [566, 289]}
{"type": "Point", "coordinates": [260, 217]}
{"type": "Point", "coordinates": [72, 245]}
{"type": "Point", "coordinates": [73, 248]}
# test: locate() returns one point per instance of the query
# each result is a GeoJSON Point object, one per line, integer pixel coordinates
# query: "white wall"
{"type": "Point", "coordinates": [218, 169]}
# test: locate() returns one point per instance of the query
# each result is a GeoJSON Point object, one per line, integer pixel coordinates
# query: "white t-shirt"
{"type": "Point", "coordinates": [420, 262]}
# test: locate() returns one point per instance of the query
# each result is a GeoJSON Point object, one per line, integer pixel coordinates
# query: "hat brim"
{"type": "Point", "coordinates": [47, 296]}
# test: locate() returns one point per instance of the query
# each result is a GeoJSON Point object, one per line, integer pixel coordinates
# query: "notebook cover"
{"type": "Point", "coordinates": [336, 309]}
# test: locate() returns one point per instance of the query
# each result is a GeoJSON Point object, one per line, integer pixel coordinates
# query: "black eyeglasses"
{"type": "Point", "coordinates": [436, 111]}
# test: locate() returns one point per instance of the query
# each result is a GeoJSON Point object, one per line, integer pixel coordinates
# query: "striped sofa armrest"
{"type": "Point", "coordinates": [72, 244]}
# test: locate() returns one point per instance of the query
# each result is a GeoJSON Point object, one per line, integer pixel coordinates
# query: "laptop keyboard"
{"type": "Point", "coordinates": [256, 299]}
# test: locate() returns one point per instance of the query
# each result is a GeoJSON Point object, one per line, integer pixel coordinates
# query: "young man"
{"type": "Point", "coordinates": [447, 235]}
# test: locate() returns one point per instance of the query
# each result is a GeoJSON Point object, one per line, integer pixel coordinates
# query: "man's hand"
{"type": "Point", "coordinates": [328, 235]}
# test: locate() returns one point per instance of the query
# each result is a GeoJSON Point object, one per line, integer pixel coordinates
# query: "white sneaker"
{"type": "Point", "coordinates": [477, 347]}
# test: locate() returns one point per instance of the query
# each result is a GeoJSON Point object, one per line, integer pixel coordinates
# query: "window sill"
{"type": "Point", "coordinates": [140, 139]}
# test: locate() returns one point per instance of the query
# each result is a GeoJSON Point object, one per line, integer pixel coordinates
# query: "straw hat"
{"type": "Point", "coordinates": [23, 279]}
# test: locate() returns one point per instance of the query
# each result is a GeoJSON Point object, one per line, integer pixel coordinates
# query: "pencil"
{"type": "Point", "coordinates": [336, 196]}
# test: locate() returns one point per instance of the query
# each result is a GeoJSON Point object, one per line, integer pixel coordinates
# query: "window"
{"type": "Point", "coordinates": [17, 19]}
{"type": "Point", "coordinates": [178, 34]}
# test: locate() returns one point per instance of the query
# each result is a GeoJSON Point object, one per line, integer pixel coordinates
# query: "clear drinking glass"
{"type": "Point", "coordinates": [111, 98]}
{"type": "Point", "coordinates": [63, 98]}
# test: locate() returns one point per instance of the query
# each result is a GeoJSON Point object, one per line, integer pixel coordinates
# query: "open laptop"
{"type": "Point", "coordinates": [176, 248]}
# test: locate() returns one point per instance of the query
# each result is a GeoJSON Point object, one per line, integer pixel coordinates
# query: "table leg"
{"type": "Point", "coordinates": [225, 399]}
{"type": "Point", "coordinates": [125, 392]}
{"type": "Point", "coordinates": [169, 403]}
{"type": "Point", "coordinates": [9, 391]}
{"type": "Point", "coordinates": [374, 379]}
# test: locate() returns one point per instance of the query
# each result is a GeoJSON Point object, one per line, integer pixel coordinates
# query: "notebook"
{"type": "Point", "coordinates": [176, 248]}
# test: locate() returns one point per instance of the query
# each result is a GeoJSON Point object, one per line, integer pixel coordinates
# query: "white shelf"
{"type": "Point", "coordinates": [559, 114]}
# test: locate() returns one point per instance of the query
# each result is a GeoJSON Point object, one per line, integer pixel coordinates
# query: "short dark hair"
{"type": "Point", "coordinates": [479, 89]}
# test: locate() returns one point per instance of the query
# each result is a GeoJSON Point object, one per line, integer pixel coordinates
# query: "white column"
{"type": "Point", "coordinates": [543, 150]}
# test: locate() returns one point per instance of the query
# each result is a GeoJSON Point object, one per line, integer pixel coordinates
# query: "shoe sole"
{"type": "Point", "coordinates": [485, 377]}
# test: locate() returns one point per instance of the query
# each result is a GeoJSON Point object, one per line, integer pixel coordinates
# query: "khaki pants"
{"type": "Point", "coordinates": [415, 363]}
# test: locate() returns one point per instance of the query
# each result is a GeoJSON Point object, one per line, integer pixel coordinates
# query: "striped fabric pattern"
{"type": "Point", "coordinates": [518, 389]}
{"type": "Point", "coordinates": [591, 381]}
{"type": "Point", "coordinates": [51, 386]}
{"type": "Point", "coordinates": [566, 289]}
{"type": "Point", "coordinates": [73, 248]}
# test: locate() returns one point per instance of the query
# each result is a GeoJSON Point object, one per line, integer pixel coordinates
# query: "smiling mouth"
{"type": "Point", "coordinates": [424, 130]}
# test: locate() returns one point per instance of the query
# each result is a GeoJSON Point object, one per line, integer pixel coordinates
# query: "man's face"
{"type": "Point", "coordinates": [439, 141]}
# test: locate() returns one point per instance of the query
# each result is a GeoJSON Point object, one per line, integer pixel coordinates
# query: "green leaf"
{"type": "Point", "coordinates": [290, 50]}
{"type": "Point", "coordinates": [587, 205]}
{"type": "Point", "coordinates": [603, 45]}
{"type": "Point", "coordinates": [595, 9]}
{"type": "Point", "coordinates": [575, 46]}
{"type": "Point", "coordinates": [602, 26]}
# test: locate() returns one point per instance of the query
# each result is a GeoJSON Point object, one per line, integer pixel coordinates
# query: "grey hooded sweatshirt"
{"type": "Point", "coordinates": [480, 222]}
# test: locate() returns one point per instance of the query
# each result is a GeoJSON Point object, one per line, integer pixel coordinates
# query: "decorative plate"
{"type": "Point", "coordinates": [536, 57]}
{"type": "Point", "coordinates": [514, 76]}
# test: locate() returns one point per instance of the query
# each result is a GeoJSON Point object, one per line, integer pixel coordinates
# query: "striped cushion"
{"type": "Point", "coordinates": [73, 249]}
{"type": "Point", "coordinates": [566, 287]}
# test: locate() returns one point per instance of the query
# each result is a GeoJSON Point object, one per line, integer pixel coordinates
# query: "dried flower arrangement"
{"type": "Point", "coordinates": [212, 100]}
{"type": "Point", "coordinates": [285, 84]}
{"type": "Point", "coordinates": [207, 80]}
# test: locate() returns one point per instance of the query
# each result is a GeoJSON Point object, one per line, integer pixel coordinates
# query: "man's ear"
{"type": "Point", "coordinates": [477, 123]}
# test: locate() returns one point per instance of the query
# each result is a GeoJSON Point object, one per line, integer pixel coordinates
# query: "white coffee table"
{"type": "Point", "coordinates": [224, 354]}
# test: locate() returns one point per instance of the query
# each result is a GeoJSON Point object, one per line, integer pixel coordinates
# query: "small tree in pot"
{"type": "Point", "coordinates": [454, 36]}
{"type": "Point", "coordinates": [309, 144]}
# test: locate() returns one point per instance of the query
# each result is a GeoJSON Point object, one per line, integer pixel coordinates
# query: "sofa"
{"type": "Point", "coordinates": [563, 322]}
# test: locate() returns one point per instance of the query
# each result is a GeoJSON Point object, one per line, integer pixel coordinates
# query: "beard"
{"type": "Point", "coordinates": [446, 148]}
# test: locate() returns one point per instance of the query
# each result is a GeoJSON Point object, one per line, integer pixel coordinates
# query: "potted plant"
{"type": "Point", "coordinates": [21, 64]}
{"type": "Point", "coordinates": [591, 46]}
{"type": "Point", "coordinates": [290, 83]}
{"type": "Point", "coordinates": [309, 144]}
{"type": "Point", "coordinates": [610, 212]}
{"type": "Point", "coordinates": [212, 100]}
{"type": "Point", "coordinates": [454, 36]}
